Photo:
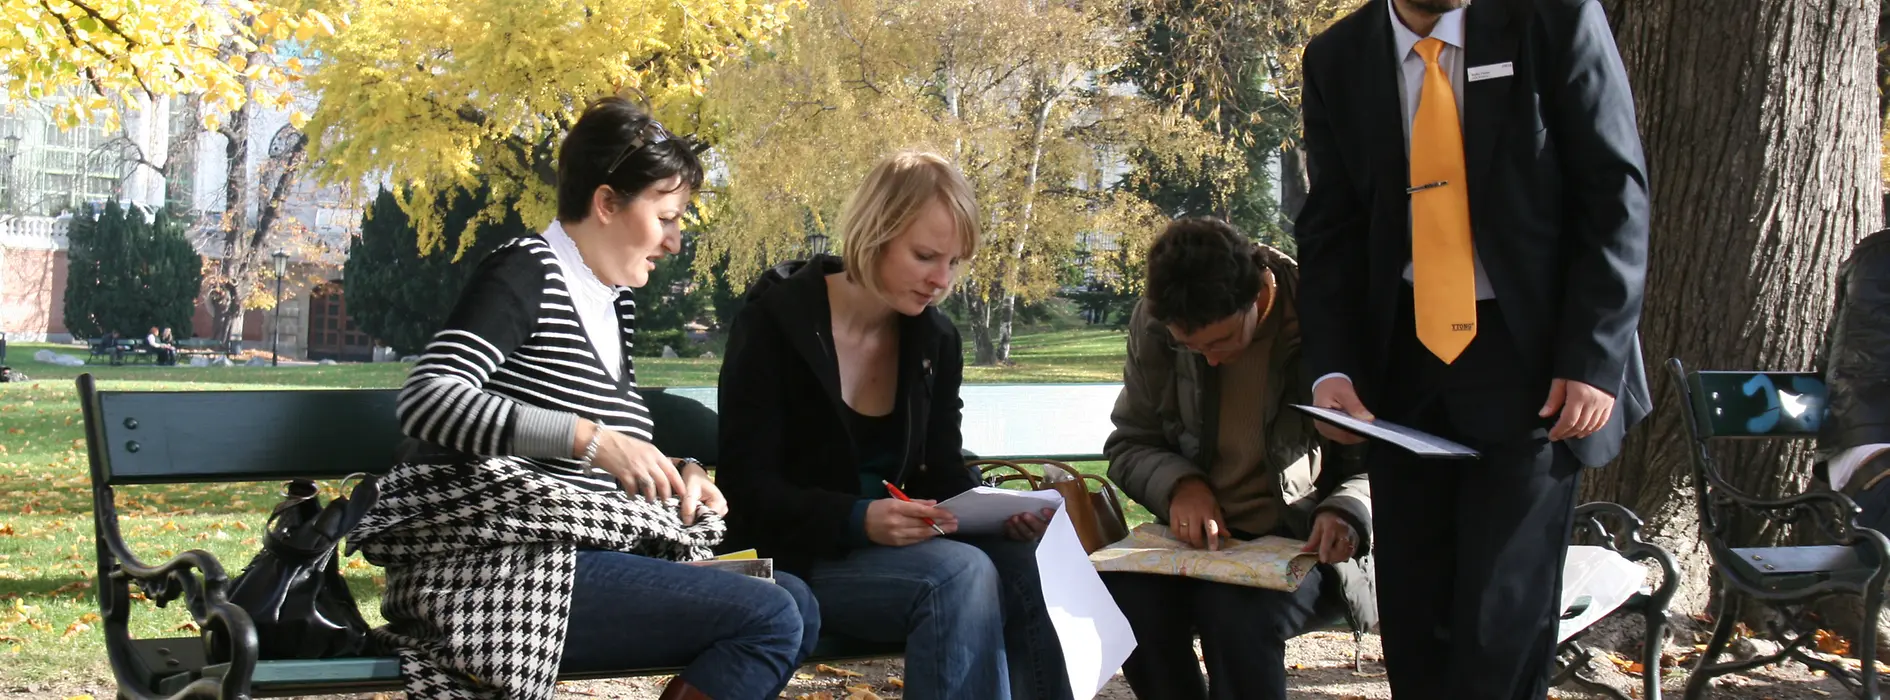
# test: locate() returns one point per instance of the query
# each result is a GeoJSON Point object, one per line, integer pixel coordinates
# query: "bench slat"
{"type": "Point", "coordinates": [364, 674]}
{"type": "Point", "coordinates": [173, 437]}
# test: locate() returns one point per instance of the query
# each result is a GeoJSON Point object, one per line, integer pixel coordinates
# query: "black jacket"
{"type": "Point", "coordinates": [1856, 359]}
{"type": "Point", "coordinates": [786, 461]}
{"type": "Point", "coordinates": [1557, 189]}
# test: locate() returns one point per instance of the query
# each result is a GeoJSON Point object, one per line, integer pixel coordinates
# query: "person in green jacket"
{"type": "Point", "coordinates": [1205, 439]}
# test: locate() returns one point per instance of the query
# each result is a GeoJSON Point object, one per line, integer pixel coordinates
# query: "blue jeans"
{"type": "Point", "coordinates": [1243, 634]}
{"type": "Point", "coordinates": [735, 637]}
{"type": "Point", "coordinates": [970, 611]}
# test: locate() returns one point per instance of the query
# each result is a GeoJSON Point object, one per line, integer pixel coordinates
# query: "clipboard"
{"type": "Point", "coordinates": [1417, 442]}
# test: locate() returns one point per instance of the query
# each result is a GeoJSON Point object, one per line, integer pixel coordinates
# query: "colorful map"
{"type": "Point", "coordinates": [1268, 562]}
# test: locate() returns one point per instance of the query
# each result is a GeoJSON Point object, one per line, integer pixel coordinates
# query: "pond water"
{"type": "Point", "coordinates": [1003, 420]}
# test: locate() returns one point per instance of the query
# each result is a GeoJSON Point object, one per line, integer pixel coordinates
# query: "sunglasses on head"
{"type": "Point", "coordinates": [652, 135]}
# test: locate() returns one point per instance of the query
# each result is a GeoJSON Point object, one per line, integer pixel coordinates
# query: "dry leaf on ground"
{"type": "Point", "coordinates": [861, 692]}
{"type": "Point", "coordinates": [1833, 643]}
{"type": "Point", "coordinates": [841, 672]}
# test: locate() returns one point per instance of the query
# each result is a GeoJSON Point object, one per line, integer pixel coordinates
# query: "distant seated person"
{"type": "Point", "coordinates": [1205, 440]}
{"type": "Point", "coordinates": [1854, 440]}
{"type": "Point", "coordinates": [166, 352]}
{"type": "Point", "coordinates": [842, 377]}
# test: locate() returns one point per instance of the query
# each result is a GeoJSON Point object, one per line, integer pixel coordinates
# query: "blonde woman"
{"type": "Point", "coordinates": [840, 378]}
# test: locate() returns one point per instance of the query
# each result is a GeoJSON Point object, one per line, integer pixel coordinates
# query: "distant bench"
{"type": "Point", "coordinates": [169, 437]}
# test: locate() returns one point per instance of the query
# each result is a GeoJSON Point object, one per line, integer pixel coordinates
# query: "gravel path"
{"type": "Point", "coordinates": [1319, 668]}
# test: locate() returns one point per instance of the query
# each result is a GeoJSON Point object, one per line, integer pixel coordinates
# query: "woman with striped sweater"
{"type": "Point", "coordinates": [534, 529]}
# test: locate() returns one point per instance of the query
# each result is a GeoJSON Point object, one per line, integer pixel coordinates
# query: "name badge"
{"type": "Point", "coordinates": [1494, 70]}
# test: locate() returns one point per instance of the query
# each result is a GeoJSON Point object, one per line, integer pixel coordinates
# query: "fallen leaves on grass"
{"type": "Point", "coordinates": [861, 692]}
{"type": "Point", "coordinates": [822, 695]}
{"type": "Point", "coordinates": [75, 629]}
{"type": "Point", "coordinates": [6, 530]}
{"type": "Point", "coordinates": [841, 672]}
{"type": "Point", "coordinates": [896, 682]}
{"type": "Point", "coordinates": [71, 587]}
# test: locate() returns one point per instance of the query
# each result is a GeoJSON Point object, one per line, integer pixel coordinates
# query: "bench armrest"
{"type": "Point", "coordinates": [1619, 530]}
{"type": "Point", "coordinates": [1834, 513]}
{"type": "Point", "coordinates": [195, 576]}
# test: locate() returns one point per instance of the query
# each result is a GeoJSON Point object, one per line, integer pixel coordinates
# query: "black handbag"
{"type": "Point", "coordinates": [293, 588]}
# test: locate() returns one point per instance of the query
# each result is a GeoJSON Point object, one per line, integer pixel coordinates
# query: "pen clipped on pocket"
{"type": "Point", "coordinates": [1414, 189]}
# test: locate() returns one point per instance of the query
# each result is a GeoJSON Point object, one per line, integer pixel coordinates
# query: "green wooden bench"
{"type": "Point", "coordinates": [1844, 559]}
{"type": "Point", "coordinates": [165, 437]}
{"type": "Point", "coordinates": [136, 438]}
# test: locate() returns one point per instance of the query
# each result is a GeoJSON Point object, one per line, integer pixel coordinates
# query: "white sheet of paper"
{"type": "Point", "coordinates": [983, 509]}
{"type": "Point", "coordinates": [1607, 578]}
{"type": "Point", "coordinates": [1096, 637]}
{"type": "Point", "coordinates": [1418, 442]}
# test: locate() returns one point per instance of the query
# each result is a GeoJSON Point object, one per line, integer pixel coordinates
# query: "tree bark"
{"type": "Point", "coordinates": [1761, 129]}
{"type": "Point", "coordinates": [225, 295]}
{"type": "Point", "coordinates": [1295, 183]}
{"type": "Point", "coordinates": [978, 311]}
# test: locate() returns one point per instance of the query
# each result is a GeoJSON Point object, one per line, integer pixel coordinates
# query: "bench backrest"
{"type": "Point", "coordinates": [163, 437]}
{"type": "Point", "coordinates": [155, 437]}
{"type": "Point", "coordinates": [1747, 404]}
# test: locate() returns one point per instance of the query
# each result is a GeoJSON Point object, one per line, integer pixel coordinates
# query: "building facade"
{"type": "Point", "coordinates": [49, 175]}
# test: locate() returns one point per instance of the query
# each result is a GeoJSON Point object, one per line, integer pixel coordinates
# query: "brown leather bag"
{"type": "Point", "coordinates": [1096, 515]}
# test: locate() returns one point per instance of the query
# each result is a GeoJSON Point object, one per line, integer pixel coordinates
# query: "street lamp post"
{"type": "Point", "coordinates": [817, 243]}
{"type": "Point", "coordinates": [281, 261]}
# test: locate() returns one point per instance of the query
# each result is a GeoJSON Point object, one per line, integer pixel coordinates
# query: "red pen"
{"type": "Point", "coordinates": [902, 496]}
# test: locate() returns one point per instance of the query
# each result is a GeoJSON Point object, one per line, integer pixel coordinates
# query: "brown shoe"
{"type": "Point", "coordinates": [678, 689]}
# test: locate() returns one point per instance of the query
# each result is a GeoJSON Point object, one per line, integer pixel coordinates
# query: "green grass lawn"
{"type": "Point", "coordinates": [48, 608]}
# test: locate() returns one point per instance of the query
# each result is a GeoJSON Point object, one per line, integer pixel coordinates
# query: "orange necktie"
{"type": "Point", "coordinates": [1443, 274]}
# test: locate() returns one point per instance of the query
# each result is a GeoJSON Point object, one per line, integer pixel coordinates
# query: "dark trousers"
{"type": "Point", "coordinates": [1470, 552]}
{"type": "Point", "coordinates": [1243, 634]}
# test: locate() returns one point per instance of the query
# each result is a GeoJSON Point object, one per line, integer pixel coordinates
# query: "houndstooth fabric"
{"type": "Point", "coordinates": [480, 558]}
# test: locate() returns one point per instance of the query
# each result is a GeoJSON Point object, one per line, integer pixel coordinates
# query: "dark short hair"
{"type": "Point", "coordinates": [1200, 270]}
{"type": "Point", "coordinates": [617, 143]}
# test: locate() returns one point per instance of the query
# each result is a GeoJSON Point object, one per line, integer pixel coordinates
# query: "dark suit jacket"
{"type": "Point", "coordinates": [787, 462]}
{"type": "Point", "coordinates": [1557, 188]}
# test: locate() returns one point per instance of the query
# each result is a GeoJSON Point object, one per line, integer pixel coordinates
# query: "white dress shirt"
{"type": "Point", "coordinates": [596, 302]}
{"type": "Point", "coordinates": [1449, 29]}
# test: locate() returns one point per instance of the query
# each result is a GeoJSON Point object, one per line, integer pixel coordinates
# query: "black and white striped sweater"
{"type": "Point", "coordinates": [511, 367]}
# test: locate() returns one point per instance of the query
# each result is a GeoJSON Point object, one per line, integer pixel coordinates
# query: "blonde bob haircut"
{"type": "Point", "coordinates": [890, 198]}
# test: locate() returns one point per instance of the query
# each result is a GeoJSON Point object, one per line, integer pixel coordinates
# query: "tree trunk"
{"type": "Point", "coordinates": [1295, 182]}
{"type": "Point", "coordinates": [978, 311]}
{"type": "Point", "coordinates": [1042, 124]}
{"type": "Point", "coordinates": [226, 296]}
{"type": "Point", "coordinates": [1761, 131]}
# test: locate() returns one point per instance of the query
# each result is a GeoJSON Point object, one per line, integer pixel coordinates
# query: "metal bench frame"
{"type": "Point", "coordinates": [1618, 530]}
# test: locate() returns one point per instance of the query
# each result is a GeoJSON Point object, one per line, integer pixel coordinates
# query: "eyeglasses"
{"type": "Point", "coordinates": [652, 135]}
{"type": "Point", "coordinates": [1231, 341]}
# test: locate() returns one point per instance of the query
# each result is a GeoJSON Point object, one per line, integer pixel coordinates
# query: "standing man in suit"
{"type": "Point", "coordinates": [1479, 277]}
